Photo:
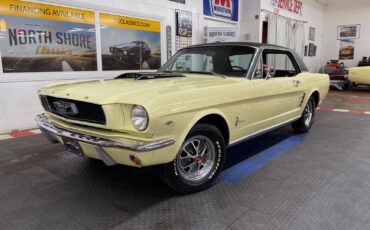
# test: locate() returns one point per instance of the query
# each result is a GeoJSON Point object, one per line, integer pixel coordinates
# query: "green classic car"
{"type": "Point", "coordinates": [183, 117]}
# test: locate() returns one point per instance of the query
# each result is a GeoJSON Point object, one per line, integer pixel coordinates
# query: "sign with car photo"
{"type": "Point", "coordinates": [130, 43]}
{"type": "Point", "coordinates": [44, 38]}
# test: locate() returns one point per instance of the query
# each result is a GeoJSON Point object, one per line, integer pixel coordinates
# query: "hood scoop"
{"type": "Point", "coordinates": [148, 76]}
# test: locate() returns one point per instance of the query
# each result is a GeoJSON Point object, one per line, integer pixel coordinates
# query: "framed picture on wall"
{"type": "Point", "coordinates": [305, 51]}
{"type": "Point", "coordinates": [311, 50]}
{"type": "Point", "coordinates": [347, 49]}
{"type": "Point", "coordinates": [184, 25]}
{"type": "Point", "coordinates": [311, 34]}
{"type": "Point", "coordinates": [349, 32]}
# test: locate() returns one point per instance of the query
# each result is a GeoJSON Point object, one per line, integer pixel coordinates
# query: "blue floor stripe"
{"type": "Point", "coordinates": [245, 168]}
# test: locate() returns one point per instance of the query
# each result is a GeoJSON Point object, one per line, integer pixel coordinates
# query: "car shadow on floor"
{"type": "Point", "coordinates": [252, 147]}
{"type": "Point", "coordinates": [146, 180]}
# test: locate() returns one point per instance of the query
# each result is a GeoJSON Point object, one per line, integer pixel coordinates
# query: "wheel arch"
{"type": "Point", "coordinates": [219, 122]}
{"type": "Point", "coordinates": [316, 96]}
{"type": "Point", "coordinates": [212, 117]}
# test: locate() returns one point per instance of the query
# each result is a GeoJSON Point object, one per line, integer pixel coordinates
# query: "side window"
{"type": "Point", "coordinates": [240, 61]}
{"type": "Point", "coordinates": [279, 65]}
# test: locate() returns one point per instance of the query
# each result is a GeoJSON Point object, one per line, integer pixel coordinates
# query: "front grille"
{"type": "Point", "coordinates": [87, 112]}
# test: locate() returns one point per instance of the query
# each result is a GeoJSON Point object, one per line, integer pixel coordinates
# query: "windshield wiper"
{"type": "Point", "coordinates": [195, 72]}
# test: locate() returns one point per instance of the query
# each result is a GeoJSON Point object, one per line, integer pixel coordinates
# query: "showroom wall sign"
{"type": "Point", "coordinates": [224, 9]}
{"type": "Point", "coordinates": [129, 43]}
{"type": "Point", "coordinates": [44, 38]}
{"type": "Point", "coordinates": [293, 6]}
{"type": "Point", "coordinates": [221, 34]}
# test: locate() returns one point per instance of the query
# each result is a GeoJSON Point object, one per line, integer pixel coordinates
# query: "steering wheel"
{"type": "Point", "coordinates": [237, 67]}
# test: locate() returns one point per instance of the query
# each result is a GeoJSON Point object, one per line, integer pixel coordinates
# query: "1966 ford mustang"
{"type": "Point", "coordinates": [184, 116]}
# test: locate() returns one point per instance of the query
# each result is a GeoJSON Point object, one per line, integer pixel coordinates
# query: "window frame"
{"type": "Point", "coordinates": [275, 51]}
{"type": "Point", "coordinates": [246, 76]}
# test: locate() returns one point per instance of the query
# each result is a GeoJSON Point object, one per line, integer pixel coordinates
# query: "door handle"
{"type": "Point", "coordinates": [296, 83]}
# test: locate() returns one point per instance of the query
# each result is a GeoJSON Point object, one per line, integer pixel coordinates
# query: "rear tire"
{"type": "Point", "coordinates": [304, 124]}
{"type": "Point", "coordinates": [198, 162]}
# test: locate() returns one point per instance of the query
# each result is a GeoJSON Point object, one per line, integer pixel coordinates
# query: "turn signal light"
{"type": "Point", "coordinates": [136, 160]}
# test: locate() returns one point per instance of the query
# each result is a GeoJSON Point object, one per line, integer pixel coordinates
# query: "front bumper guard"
{"type": "Point", "coordinates": [138, 146]}
{"type": "Point", "coordinates": [338, 84]}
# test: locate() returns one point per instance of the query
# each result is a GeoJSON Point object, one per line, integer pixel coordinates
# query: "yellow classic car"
{"type": "Point", "coordinates": [359, 75]}
{"type": "Point", "coordinates": [205, 98]}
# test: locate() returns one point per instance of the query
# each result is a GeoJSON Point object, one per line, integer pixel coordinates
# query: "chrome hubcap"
{"type": "Point", "coordinates": [308, 114]}
{"type": "Point", "coordinates": [196, 159]}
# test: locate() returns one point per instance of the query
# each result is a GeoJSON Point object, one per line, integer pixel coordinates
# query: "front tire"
{"type": "Point", "coordinates": [304, 124]}
{"type": "Point", "coordinates": [198, 162]}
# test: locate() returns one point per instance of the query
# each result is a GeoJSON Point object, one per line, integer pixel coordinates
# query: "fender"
{"type": "Point", "coordinates": [196, 118]}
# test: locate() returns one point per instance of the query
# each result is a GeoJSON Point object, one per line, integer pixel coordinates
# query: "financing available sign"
{"type": "Point", "coordinates": [223, 9]}
{"type": "Point", "coordinates": [45, 38]}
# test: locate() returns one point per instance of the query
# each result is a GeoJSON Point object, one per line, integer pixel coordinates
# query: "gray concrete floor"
{"type": "Point", "coordinates": [322, 183]}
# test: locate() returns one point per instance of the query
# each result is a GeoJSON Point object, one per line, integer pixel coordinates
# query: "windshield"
{"type": "Point", "coordinates": [231, 61]}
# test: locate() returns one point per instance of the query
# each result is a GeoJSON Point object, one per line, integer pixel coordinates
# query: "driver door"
{"type": "Point", "coordinates": [278, 87]}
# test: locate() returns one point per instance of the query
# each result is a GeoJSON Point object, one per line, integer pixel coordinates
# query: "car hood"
{"type": "Point", "coordinates": [131, 91]}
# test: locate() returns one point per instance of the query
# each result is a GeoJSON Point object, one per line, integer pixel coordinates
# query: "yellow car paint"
{"type": "Point", "coordinates": [176, 104]}
{"type": "Point", "coordinates": [359, 75]}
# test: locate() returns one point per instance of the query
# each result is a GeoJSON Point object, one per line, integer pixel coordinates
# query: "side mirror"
{"type": "Point", "coordinates": [269, 72]}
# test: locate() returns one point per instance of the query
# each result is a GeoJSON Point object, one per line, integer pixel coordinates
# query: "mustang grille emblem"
{"type": "Point", "coordinates": [65, 108]}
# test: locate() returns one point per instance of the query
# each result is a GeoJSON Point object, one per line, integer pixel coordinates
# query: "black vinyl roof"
{"type": "Point", "coordinates": [251, 44]}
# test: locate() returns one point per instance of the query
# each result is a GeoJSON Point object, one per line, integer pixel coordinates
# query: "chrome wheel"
{"type": "Point", "coordinates": [196, 159]}
{"type": "Point", "coordinates": [308, 114]}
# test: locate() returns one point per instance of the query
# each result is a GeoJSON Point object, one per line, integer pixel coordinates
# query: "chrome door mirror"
{"type": "Point", "coordinates": [270, 72]}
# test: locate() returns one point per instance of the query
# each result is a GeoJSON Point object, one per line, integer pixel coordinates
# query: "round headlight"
{"type": "Point", "coordinates": [139, 117]}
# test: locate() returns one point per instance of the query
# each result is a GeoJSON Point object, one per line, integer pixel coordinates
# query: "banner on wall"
{"type": "Point", "coordinates": [347, 49]}
{"type": "Point", "coordinates": [44, 38]}
{"type": "Point", "coordinates": [130, 43]}
{"type": "Point", "coordinates": [221, 34]}
{"type": "Point", "coordinates": [292, 6]}
{"type": "Point", "coordinates": [223, 9]}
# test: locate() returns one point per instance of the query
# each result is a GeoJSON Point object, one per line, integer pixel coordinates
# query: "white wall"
{"type": "Point", "coordinates": [313, 14]}
{"type": "Point", "coordinates": [18, 92]}
{"type": "Point", "coordinates": [250, 26]}
{"type": "Point", "coordinates": [342, 12]}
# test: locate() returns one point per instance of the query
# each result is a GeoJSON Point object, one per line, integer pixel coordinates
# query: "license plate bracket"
{"type": "Point", "coordinates": [72, 146]}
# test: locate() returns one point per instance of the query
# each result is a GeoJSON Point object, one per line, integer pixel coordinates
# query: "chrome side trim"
{"type": "Point", "coordinates": [139, 146]}
{"type": "Point", "coordinates": [259, 133]}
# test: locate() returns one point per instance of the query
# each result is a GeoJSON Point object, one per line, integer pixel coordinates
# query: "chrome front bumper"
{"type": "Point", "coordinates": [138, 146]}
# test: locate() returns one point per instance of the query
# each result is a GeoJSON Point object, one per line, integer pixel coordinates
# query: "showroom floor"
{"type": "Point", "coordinates": [278, 181]}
